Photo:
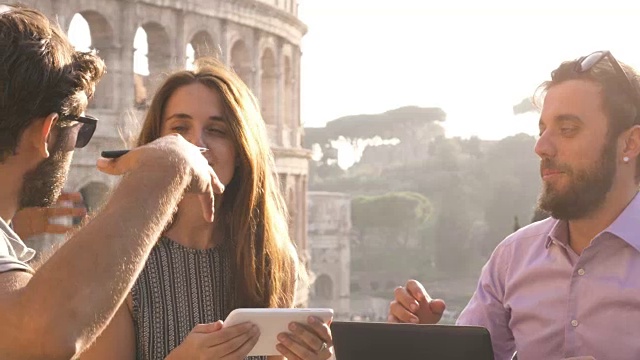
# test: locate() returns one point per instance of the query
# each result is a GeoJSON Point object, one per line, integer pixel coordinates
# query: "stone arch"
{"type": "Point", "coordinates": [101, 39]}
{"type": "Point", "coordinates": [324, 287]}
{"type": "Point", "coordinates": [101, 30]}
{"type": "Point", "coordinates": [94, 195]}
{"type": "Point", "coordinates": [203, 44]}
{"type": "Point", "coordinates": [282, 182]}
{"type": "Point", "coordinates": [152, 59]}
{"type": "Point", "coordinates": [268, 86]}
{"type": "Point", "coordinates": [241, 61]}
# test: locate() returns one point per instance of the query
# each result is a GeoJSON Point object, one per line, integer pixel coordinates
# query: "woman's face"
{"type": "Point", "coordinates": [196, 112]}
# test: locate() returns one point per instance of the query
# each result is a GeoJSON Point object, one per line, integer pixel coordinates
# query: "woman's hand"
{"type": "Point", "coordinates": [311, 341]}
{"type": "Point", "coordinates": [211, 341]}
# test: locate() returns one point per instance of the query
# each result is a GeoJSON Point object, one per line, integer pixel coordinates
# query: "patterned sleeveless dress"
{"type": "Point", "coordinates": [179, 288]}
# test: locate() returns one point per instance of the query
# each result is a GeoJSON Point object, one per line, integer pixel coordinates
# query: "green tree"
{"type": "Point", "coordinates": [398, 215]}
{"type": "Point", "coordinates": [525, 106]}
{"type": "Point", "coordinates": [454, 248]}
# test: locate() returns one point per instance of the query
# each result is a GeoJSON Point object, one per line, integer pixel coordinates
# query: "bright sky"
{"type": "Point", "coordinates": [474, 59]}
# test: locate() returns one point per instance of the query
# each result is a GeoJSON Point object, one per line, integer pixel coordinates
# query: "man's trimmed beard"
{"type": "Point", "coordinates": [43, 185]}
{"type": "Point", "coordinates": [587, 190]}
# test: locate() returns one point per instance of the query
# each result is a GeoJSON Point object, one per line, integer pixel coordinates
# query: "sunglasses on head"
{"type": "Point", "coordinates": [586, 63]}
{"type": "Point", "coordinates": [84, 129]}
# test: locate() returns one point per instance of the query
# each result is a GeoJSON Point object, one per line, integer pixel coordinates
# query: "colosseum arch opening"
{"type": "Point", "coordinates": [241, 62]}
{"type": "Point", "coordinates": [268, 87]}
{"type": "Point", "coordinates": [90, 30]}
{"type": "Point", "coordinates": [324, 287]}
{"type": "Point", "coordinates": [152, 58]}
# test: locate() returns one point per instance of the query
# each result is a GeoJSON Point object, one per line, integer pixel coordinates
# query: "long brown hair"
{"type": "Point", "coordinates": [252, 210]}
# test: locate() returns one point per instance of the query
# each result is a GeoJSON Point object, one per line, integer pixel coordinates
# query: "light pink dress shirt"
{"type": "Point", "coordinates": [536, 295]}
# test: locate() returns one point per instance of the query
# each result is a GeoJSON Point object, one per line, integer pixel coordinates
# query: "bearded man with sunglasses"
{"type": "Point", "coordinates": [567, 286]}
{"type": "Point", "coordinates": [58, 310]}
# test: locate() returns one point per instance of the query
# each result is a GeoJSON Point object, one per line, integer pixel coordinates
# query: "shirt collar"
{"type": "Point", "coordinates": [625, 226]}
{"type": "Point", "coordinates": [559, 233]}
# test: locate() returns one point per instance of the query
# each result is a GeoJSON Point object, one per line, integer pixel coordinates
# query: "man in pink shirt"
{"type": "Point", "coordinates": [569, 285]}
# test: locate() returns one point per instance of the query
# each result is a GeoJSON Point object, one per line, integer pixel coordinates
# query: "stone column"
{"type": "Point", "coordinates": [256, 63]}
{"type": "Point", "coordinates": [225, 51]}
{"type": "Point", "coordinates": [180, 42]}
{"type": "Point", "coordinates": [295, 68]}
{"type": "Point", "coordinates": [107, 93]}
{"type": "Point", "coordinates": [279, 100]}
{"type": "Point", "coordinates": [125, 85]}
{"type": "Point", "coordinates": [301, 181]}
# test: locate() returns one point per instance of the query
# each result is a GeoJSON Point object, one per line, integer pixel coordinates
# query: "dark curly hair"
{"type": "Point", "coordinates": [40, 73]}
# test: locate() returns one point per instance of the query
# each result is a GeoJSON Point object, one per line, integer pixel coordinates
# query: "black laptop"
{"type": "Point", "coordinates": [386, 341]}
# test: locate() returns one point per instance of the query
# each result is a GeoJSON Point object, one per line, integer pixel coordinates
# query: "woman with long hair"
{"type": "Point", "coordinates": [200, 271]}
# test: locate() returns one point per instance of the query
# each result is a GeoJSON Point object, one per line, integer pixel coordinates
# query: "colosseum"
{"type": "Point", "coordinates": [259, 39]}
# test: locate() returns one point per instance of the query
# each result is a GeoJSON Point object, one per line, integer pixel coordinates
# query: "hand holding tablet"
{"type": "Point", "coordinates": [272, 322]}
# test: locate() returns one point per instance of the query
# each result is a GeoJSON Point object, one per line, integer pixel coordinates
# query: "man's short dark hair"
{"type": "Point", "coordinates": [618, 103]}
{"type": "Point", "coordinates": [40, 73]}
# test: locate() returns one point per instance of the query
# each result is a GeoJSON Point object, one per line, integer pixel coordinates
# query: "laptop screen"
{"type": "Point", "coordinates": [372, 341]}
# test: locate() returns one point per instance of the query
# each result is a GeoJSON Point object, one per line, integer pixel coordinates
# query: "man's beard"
{"type": "Point", "coordinates": [587, 190]}
{"type": "Point", "coordinates": [42, 186]}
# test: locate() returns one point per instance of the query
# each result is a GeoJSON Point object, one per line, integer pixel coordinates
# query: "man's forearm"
{"type": "Point", "coordinates": [75, 293]}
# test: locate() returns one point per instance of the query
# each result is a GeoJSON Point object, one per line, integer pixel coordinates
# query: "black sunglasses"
{"type": "Point", "coordinates": [586, 63]}
{"type": "Point", "coordinates": [85, 128]}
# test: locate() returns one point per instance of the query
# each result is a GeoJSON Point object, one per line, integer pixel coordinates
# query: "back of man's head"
{"type": "Point", "coordinates": [40, 74]}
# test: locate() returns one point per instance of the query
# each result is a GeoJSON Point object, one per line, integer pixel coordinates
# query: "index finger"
{"type": "Point", "coordinates": [57, 229]}
{"type": "Point", "coordinates": [216, 184]}
{"type": "Point", "coordinates": [406, 299]}
{"type": "Point", "coordinates": [65, 211]}
{"type": "Point", "coordinates": [208, 328]}
{"type": "Point", "coordinates": [70, 196]}
{"type": "Point", "coordinates": [227, 333]}
{"type": "Point", "coordinates": [417, 291]}
{"type": "Point", "coordinates": [109, 166]}
{"type": "Point", "coordinates": [320, 328]}
{"type": "Point", "coordinates": [207, 201]}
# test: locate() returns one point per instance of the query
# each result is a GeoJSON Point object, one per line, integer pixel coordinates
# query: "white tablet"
{"type": "Point", "coordinates": [272, 322]}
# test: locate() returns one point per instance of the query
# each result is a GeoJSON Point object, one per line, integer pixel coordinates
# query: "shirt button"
{"type": "Point", "coordinates": [574, 323]}
{"type": "Point", "coordinates": [580, 272]}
